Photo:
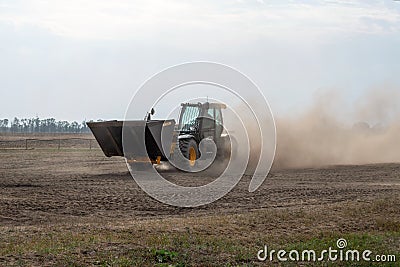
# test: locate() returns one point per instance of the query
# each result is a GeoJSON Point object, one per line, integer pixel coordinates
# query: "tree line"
{"type": "Point", "coordinates": [36, 125]}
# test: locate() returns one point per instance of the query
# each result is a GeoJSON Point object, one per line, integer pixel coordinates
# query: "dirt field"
{"type": "Point", "coordinates": [77, 207]}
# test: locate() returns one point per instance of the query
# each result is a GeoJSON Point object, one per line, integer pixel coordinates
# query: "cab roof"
{"type": "Point", "coordinates": [205, 104]}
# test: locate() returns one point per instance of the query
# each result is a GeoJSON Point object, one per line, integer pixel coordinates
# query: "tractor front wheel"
{"type": "Point", "coordinates": [189, 150]}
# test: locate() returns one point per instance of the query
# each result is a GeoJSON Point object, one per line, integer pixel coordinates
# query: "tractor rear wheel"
{"type": "Point", "coordinates": [189, 150]}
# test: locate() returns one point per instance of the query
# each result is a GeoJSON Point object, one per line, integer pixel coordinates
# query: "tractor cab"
{"type": "Point", "coordinates": [201, 120]}
{"type": "Point", "coordinates": [198, 121]}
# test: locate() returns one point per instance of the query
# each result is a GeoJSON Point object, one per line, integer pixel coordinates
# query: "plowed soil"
{"type": "Point", "coordinates": [45, 186]}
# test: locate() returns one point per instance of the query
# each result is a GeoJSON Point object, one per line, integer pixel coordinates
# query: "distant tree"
{"type": "Point", "coordinates": [74, 127]}
{"type": "Point", "coordinates": [15, 126]}
{"type": "Point", "coordinates": [4, 125]}
{"type": "Point", "coordinates": [84, 127]}
{"type": "Point", "coordinates": [48, 125]}
{"type": "Point", "coordinates": [36, 125]}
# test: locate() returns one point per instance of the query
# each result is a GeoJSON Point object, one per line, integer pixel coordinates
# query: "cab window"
{"type": "Point", "coordinates": [210, 113]}
{"type": "Point", "coordinates": [218, 116]}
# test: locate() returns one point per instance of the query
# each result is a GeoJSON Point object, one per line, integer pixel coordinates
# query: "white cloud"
{"type": "Point", "coordinates": [182, 22]}
{"type": "Point", "coordinates": [118, 44]}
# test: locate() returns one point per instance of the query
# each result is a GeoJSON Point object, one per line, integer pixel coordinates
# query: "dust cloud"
{"type": "Point", "coordinates": [335, 130]}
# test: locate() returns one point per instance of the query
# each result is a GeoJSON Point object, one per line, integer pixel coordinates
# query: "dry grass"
{"type": "Point", "coordinates": [225, 240]}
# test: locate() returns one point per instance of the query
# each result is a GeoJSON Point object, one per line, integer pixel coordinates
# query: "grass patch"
{"type": "Point", "coordinates": [217, 240]}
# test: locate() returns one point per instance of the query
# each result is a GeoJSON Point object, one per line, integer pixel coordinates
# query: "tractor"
{"type": "Point", "coordinates": [145, 140]}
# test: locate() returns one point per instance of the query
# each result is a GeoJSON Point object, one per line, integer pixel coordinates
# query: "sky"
{"type": "Point", "coordinates": [83, 60]}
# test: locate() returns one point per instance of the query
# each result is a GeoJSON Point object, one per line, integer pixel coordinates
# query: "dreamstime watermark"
{"type": "Point", "coordinates": [340, 253]}
{"type": "Point", "coordinates": [254, 127]}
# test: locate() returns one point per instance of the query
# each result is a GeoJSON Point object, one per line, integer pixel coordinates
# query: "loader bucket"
{"type": "Point", "coordinates": [142, 139]}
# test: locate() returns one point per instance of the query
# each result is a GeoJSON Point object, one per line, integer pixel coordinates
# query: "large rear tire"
{"type": "Point", "coordinates": [189, 150]}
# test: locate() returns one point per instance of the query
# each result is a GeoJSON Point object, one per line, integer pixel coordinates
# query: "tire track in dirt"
{"type": "Point", "coordinates": [82, 185]}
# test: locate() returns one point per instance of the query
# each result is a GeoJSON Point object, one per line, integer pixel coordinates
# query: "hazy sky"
{"type": "Point", "coordinates": [84, 59]}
